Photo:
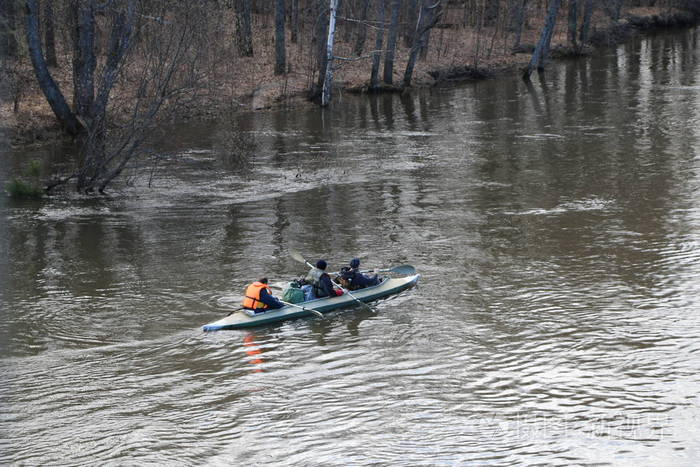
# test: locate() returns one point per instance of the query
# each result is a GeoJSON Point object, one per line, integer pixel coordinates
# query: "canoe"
{"type": "Point", "coordinates": [240, 319]}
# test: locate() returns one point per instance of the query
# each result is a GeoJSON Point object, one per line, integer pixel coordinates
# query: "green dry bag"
{"type": "Point", "coordinates": [293, 293]}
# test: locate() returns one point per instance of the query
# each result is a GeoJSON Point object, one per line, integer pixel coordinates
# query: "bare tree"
{"type": "Point", "coordinates": [8, 26]}
{"type": "Point", "coordinates": [362, 28]}
{"type": "Point", "coordinates": [84, 59]}
{"type": "Point", "coordinates": [49, 35]}
{"type": "Point", "coordinates": [614, 9]}
{"type": "Point", "coordinates": [280, 48]}
{"type": "Point", "coordinates": [294, 22]}
{"type": "Point", "coordinates": [492, 11]}
{"type": "Point", "coordinates": [244, 31]}
{"type": "Point", "coordinates": [378, 44]}
{"type": "Point", "coordinates": [539, 56]}
{"type": "Point", "coordinates": [68, 120]}
{"type": "Point", "coordinates": [520, 19]}
{"type": "Point", "coordinates": [328, 77]}
{"type": "Point", "coordinates": [427, 18]}
{"type": "Point", "coordinates": [319, 51]}
{"type": "Point", "coordinates": [410, 22]}
{"type": "Point", "coordinates": [391, 43]}
{"type": "Point", "coordinates": [573, 20]}
{"type": "Point", "coordinates": [163, 68]}
{"type": "Point", "coordinates": [586, 24]}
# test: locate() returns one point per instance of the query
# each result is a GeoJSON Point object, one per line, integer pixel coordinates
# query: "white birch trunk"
{"type": "Point", "coordinates": [328, 75]}
{"type": "Point", "coordinates": [328, 80]}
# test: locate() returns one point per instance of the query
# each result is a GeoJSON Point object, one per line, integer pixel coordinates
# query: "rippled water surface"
{"type": "Point", "coordinates": [556, 228]}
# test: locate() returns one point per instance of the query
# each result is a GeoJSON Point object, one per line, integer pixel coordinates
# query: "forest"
{"type": "Point", "coordinates": [105, 73]}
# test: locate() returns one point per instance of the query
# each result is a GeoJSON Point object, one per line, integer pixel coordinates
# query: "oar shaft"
{"type": "Point", "coordinates": [303, 308]}
{"type": "Point", "coordinates": [234, 311]}
{"type": "Point", "coordinates": [405, 269]}
{"type": "Point", "coordinates": [346, 291]}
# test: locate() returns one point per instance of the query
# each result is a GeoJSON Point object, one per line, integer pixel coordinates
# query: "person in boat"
{"type": "Point", "coordinates": [321, 281]}
{"type": "Point", "coordinates": [259, 298]}
{"type": "Point", "coordinates": [355, 278]}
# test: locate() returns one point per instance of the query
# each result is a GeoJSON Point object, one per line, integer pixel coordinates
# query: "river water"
{"type": "Point", "coordinates": [556, 228]}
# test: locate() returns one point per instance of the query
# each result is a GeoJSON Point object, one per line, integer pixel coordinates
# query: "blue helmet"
{"type": "Point", "coordinates": [321, 264]}
{"type": "Point", "coordinates": [355, 263]}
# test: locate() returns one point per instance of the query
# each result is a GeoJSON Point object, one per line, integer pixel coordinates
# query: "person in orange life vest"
{"type": "Point", "coordinates": [321, 281]}
{"type": "Point", "coordinates": [258, 297]}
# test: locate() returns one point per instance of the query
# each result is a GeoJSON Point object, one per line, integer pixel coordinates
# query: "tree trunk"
{"type": "Point", "coordinates": [493, 9]}
{"type": "Point", "coordinates": [328, 79]}
{"type": "Point", "coordinates": [586, 24]}
{"type": "Point", "coordinates": [479, 28]}
{"type": "Point", "coordinates": [378, 44]}
{"type": "Point", "coordinates": [573, 23]}
{"type": "Point", "coordinates": [391, 43]}
{"type": "Point", "coordinates": [520, 19]}
{"type": "Point", "coordinates": [8, 29]}
{"type": "Point", "coordinates": [415, 48]}
{"type": "Point", "coordinates": [411, 22]}
{"type": "Point", "coordinates": [280, 49]}
{"type": "Point", "coordinates": [423, 50]}
{"type": "Point", "coordinates": [51, 91]}
{"type": "Point", "coordinates": [95, 171]}
{"type": "Point", "coordinates": [49, 35]}
{"type": "Point", "coordinates": [294, 22]}
{"type": "Point", "coordinates": [320, 36]}
{"type": "Point", "coordinates": [362, 29]}
{"type": "Point", "coordinates": [547, 44]}
{"type": "Point", "coordinates": [347, 9]}
{"type": "Point", "coordinates": [427, 19]}
{"type": "Point", "coordinates": [84, 60]}
{"type": "Point", "coordinates": [244, 34]}
{"type": "Point", "coordinates": [614, 8]}
{"type": "Point", "coordinates": [540, 54]}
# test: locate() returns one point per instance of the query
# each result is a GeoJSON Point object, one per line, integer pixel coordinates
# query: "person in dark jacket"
{"type": "Point", "coordinates": [357, 279]}
{"type": "Point", "coordinates": [321, 281]}
{"type": "Point", "coordinates": [258, 297]}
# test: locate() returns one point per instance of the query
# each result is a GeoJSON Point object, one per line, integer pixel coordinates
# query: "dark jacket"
{"type": "Point", "coordinates": [360, 281]}
{"type": "Point", "coordinates": [325, 287]}
{"type": "Point", "coordinates": [269, 300]}
{"type": "Point", "coordinates": [321, 281]}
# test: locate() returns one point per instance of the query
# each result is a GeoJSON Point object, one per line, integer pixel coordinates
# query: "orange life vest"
{"type": "Point", "coordinates": [252, 296]}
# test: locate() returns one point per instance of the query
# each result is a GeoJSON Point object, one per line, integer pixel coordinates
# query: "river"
{"type": "Point", "coordinates": [556, 228]}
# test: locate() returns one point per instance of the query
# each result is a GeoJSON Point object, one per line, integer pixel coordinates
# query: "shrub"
{"type": "Point", "coordinates": [21, 188]}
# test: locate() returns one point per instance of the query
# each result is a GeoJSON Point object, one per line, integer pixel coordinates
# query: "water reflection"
{"type": "Point", "coordinates": [556, 226]}
{"type": "Point", "coordinates": [254, 351]}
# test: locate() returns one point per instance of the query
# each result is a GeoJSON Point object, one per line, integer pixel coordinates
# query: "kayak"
{"type": "Point", "coordinates": [240, 319]}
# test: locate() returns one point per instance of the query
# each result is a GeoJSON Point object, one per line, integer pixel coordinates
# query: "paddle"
{"type": "Point", "coordinates": [233, 311]}
{"type": "Point", "coordinates": [405, 269]}
{"type": "Point", "coordinates": [286, 303]}
{"type": "Point", "coordinates": [297, 257]}
{"type": "Point", "coordinates": [303, 308]}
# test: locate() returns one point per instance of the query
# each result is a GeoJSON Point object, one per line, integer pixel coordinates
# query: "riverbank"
{"type": "Point", "coordinates": [249, 83]}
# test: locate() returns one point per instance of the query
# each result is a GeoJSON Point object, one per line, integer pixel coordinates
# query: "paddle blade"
{"type": "Point", "coordinates": [296, 256]}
